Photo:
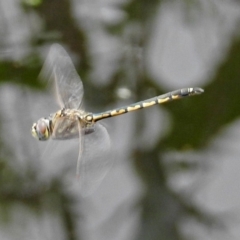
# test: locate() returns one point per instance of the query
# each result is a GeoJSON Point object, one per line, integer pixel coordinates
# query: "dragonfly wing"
{"type": "Point", "coordinates": [94, 155]}
{"type": "Point", "coordinates": [95, 160]}
{"type": "Point", "coordinates": [68, 85]}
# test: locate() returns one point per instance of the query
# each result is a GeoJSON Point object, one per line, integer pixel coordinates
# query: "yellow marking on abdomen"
{"type": "Point", "coordinates": [118, 112]}
{"type": "Point", "coordinates": [175, 96]}
{"type": "Point", "coordinates": [149, 104]}
{"type": "Point", "coordinates": [105, 115]}
{"type": "Point", "coordinates": [163, 100]}
{"type": "Point", "coordinates": [132, 108]}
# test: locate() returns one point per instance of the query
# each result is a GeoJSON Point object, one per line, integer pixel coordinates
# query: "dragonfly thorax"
{"type": "Point", "coordinates": [70, 123]}
{"type": "Point", "coordinates": [85, 118]}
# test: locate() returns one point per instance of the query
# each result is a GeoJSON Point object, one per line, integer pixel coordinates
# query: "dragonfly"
{"type": "Point", "coordinates": [71, 121]}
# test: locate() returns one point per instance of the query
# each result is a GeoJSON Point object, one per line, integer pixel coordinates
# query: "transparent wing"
{"type": "Point", "coordinates": [96, 159]}
{"type": "Point", "coordinates": [59, 160]}
{"type": "Point", "coordinates": [68, 85]}
{"type": "Point", "coordinates": [93, 150]}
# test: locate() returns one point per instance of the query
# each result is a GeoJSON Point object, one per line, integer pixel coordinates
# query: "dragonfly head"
{"type": "Point", "coordinates": [41, 129]}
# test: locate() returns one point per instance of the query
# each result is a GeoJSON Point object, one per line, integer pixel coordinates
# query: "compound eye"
{"type": "Point", "coordinates": [41, 127]}
{"type": "Point", "coordinates": [40, 130]}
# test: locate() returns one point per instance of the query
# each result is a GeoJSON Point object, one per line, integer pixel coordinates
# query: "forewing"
{"type": "Point", "coordinates": [68, 85]}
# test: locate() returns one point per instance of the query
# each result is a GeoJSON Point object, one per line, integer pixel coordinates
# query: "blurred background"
{"type": "Point", "coordinates": [173, 171]}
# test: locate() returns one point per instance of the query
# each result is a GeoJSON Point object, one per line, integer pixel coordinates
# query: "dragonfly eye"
{"type": "Point", "coordinates": [40, 130]}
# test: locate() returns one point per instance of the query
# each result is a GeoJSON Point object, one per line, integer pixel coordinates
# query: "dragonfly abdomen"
{"type": "Point", "coordinates": [177, 94]}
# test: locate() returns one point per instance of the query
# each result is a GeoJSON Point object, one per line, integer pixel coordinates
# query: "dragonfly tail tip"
{"type": "Point", "coordinates": [198, 90]}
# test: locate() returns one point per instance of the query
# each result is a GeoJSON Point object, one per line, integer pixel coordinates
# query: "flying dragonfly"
{"type": "Point", "coordinates": [71, 121]}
